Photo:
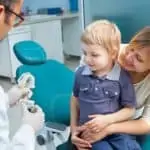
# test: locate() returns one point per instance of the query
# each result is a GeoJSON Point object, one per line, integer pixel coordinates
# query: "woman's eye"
{"type": "Point", "coordinates": [128, 50]}
{"type": "Point", "coordinates": [139, 58]}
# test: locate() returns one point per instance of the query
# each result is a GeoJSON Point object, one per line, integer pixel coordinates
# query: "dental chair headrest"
{"type": "Point", "coordinates": [29, 53]}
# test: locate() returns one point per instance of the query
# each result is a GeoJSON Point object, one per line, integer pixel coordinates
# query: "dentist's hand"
{"type": "Point", "coordinates": [16, 93]}
{"type": "Point", "coordinates": [35, 120]}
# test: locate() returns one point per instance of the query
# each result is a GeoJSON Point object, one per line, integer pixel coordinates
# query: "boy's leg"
{"type": "Point", "coordinates": [124, 142]}
{"type": "Point", "coordinates": [101, 145]}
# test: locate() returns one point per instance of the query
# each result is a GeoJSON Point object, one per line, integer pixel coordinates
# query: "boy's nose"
{"type": "Point", "coordinates": [87, 59]}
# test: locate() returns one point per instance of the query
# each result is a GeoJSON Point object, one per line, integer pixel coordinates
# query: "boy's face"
{"type": "Point", "coordinates": [97, 58]}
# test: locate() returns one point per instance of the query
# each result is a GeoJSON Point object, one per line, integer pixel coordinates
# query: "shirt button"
{"type": "Point", "coordinates": [96, 89]}
{"type": "Point", "coordinates": [106, 92]}
{"type": "Point", "coordinates": [116, 93]}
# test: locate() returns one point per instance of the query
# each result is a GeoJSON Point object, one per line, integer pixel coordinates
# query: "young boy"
{"type": "Point", "coordinates": [102, 86]}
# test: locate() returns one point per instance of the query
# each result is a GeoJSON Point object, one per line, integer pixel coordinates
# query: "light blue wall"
{"type": "Point", "coordinates": [35, 4]}
{"type": "Point", "coordinates": [130, 15]}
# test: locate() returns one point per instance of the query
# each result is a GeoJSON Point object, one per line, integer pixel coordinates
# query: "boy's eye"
{"type": "Point", "coordinates": [95, 55]}
{"type": "Point", "coordinates": [132, 50]}
{"type": "Point", "coordinates": [84, 53]}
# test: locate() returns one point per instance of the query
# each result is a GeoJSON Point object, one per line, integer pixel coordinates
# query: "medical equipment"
{"type": "Point", "coordinates": [50, 93]}
{"type": "Point", "coordinates": [27, 80]}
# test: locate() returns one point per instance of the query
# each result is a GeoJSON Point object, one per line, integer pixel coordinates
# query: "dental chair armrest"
{"type": "Point", "coordinates": [47, 134]}
{"type": "Point", "coordinates": [55, 127]}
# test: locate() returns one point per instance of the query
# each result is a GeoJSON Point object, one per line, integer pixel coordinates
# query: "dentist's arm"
{"type": "Point", "coordinates": [24, 139]}
{"type": "Point", "coordinates": [19, 141]}
{"type": "Point", "coordinates": [4, 124]}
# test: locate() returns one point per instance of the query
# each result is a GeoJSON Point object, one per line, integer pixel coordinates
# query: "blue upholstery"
{"type": "Point", "coordinates": [54, 81]}
{"type": "Point", "coordinates": [145, 142]}
{"type": "Point", "coordinates": [30, 53]}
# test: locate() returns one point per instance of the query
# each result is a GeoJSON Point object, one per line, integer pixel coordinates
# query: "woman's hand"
{"type": "Point", "coordinates": [92, 137]}
{"type": "Point", "coordinates": [78, 141]}
{"type": "Point", "coordinates": [98, 123]}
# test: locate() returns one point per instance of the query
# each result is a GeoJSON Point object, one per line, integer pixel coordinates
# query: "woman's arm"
{"type": "Point", "coordinates": [135, 127]}
{"type": "Point", "coordinates": [99, 122]}
{"type": "Point", "coordinates": [74, 113]}
{"type": "Point", "coordinates": [121, 115]}
{"type": "Point", "coordinates": [140, 126]}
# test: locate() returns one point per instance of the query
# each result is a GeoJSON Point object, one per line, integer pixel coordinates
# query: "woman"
{"type": "Point", "coordinates": [135, 59]}
{"type": "Point", "coordinates": [24, 139]}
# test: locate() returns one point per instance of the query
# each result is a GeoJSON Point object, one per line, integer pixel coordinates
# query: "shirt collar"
{"type": "Point", "coordinates": [114, 74]}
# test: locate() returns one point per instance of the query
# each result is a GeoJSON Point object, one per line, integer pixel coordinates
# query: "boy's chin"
{"type": "Point", "coordinates": [93, 69]}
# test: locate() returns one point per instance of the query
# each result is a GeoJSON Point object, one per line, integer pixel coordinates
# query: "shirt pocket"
{"type": "Point", "coordinates": [84, 89]}
{"type": "Point", "coordinates": [111, 92]}
{"type": "Point", "coordinates": [91, 92]}
{"type": "Point", "coordinates": [112, 96]}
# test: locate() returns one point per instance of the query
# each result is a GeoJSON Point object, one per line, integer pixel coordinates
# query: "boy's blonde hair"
{"type": "Point", "coordinates": [103, 33]}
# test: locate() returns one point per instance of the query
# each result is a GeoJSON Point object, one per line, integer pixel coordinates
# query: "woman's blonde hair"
{"type": "Point", "coordinates": [103, 33]}
{"type": "Point", "coordinates": [141, 39]}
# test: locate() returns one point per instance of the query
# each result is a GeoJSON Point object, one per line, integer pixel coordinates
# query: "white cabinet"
{"type": "Point", "coordinates": [8, 61]}
{"type": "Point", "coordinates": [56, 34]}
{"type": "Point", "coordinates": [5, 63]}
{"type": "Point", "coordinates": [71, 30]}
{"type": "Point", "coordinates": [49, 35]}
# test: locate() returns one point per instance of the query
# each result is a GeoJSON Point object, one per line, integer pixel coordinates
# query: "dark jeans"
{"type": "Point", "coordinates": [117, 142]}
{"type": "Point", "coordinates": [113, 142]}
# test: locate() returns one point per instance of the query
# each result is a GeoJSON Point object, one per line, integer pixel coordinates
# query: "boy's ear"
{"type": "Point", "coordinates": [114, 54]}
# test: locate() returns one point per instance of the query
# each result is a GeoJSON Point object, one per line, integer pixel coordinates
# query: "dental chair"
{"type": "Point", "coordinates": [53, 90]}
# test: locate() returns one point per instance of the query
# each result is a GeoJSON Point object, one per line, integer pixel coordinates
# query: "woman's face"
{"type": "Point", "coordinates": [137, 60]}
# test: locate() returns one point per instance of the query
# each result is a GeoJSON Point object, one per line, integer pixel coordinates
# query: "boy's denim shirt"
{"type": "Point", "coordinates": [103, 95]}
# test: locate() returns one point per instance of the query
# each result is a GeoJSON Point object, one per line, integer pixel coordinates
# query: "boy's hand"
{"type": "Point", "coordinates": [92, 137]}
{"type": "Point", "coordinates": [79, 142]}
{"type": "Point", "coordinates": [97, 123]}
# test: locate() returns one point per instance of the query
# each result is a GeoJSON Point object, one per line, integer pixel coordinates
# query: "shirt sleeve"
{"type": "Point", "coordinates": [146, 111]}
{"type": "Point", "coordinates": [23, 139]}
{"type": "Point", "coordinates": [4, 125]}
{"type": "Point", "coordinates": [128, 97]}
{"type": "Point", "coordinates": [76, 87]}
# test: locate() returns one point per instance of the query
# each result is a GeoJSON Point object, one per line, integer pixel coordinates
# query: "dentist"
{"type": "Point", "coordinates": [24, 139]}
